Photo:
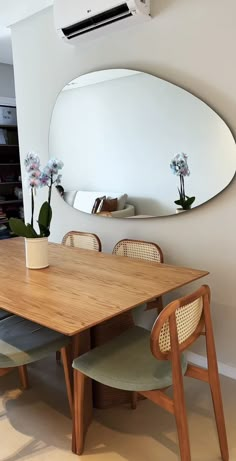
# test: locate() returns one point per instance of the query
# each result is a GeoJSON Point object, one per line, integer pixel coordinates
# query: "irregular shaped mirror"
{"type": "Point", "coordinates": [118, 130]}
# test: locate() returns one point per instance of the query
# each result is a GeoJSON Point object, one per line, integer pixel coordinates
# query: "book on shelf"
{"type": "Point", "coordinates": [3, 136]}
{"type": "Point", "coordinates": [2, 213]}
{"type": "Point", "coordinates": [4, 232]}
{"type": "Point", "coordinates": [8, 115]}
{"type": "Point", "coordinates": [3, 216]}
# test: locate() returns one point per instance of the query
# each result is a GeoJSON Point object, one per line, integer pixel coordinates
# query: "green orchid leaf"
{"type": "Point", "coordinates": [18, 227]}
{"type": "Point", "coordinates": [185, 203]}
{"type": "Point", "coordinates": [188, 203]}
{"type": "Point", "coordinates": [31, 233]}
{"type": "Point", "coordinates": [178, 202]}
{"type": "Point", "coordinates": [191, 200]}
{"type": "Point", "coordinates": [44, 221]}
{"type": "Point", "coordinates": [44, 231]}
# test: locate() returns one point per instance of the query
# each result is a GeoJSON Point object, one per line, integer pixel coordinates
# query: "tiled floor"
{"type": "Point", "coordinates": [35, 425]}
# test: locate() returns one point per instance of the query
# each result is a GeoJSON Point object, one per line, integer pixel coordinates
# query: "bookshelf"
{"type": "Point", "coordinates": [11, 202]}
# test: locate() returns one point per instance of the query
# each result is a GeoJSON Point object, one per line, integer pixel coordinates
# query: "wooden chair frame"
{"type": "Point", "coordinates": [66, 360]}
{"type": "Point", "coordinates": [85, 234]}
{"type": "Point", "coordinates": [99, 249]}
{"type": "Point", "coordinates": [175, 406]}
{"type": "Point", "coordinates": [155, 303]}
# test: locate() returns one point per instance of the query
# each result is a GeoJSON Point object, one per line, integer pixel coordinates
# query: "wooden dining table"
{"type": "Point", "coordinates": [82, 288]}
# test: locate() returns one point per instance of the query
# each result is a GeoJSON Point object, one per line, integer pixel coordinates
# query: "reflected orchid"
{"type": "Point", "coordinates": [179, 167]}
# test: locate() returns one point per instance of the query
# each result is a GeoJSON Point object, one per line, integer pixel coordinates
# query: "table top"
{"type": "Point", "coordinates": [81, 288]}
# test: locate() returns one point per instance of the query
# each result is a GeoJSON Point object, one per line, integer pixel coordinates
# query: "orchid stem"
{"type": "Point", "coordinates": [50, 191]}
{"type": "Point", "coordinates": [182, 191]}
{"type": "Point", "coordinates": [32, 206]}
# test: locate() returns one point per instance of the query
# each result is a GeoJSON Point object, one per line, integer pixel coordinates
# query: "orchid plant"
{"type": "Point", "coordinates": [38, 178]}
{"type": "Point", "coordinates": [179, 167]}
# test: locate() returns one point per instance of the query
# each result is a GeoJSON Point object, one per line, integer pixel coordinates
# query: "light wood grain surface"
{"type": "Point", "coordinates": [81, 288]}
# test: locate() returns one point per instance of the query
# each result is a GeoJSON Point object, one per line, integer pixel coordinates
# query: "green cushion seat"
{"type": "Point", "coordinates": [23, 342]}
{"type": "Point", "coordinates": [4, 314]}
{"type": "Point", "coordinates": [126, 362]}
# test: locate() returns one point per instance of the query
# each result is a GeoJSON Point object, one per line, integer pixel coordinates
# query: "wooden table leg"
{"type": "Point", "coordinates": [81, 343]}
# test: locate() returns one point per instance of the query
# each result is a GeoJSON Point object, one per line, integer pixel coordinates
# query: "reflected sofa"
{"type": "Point", "coordinates": [84, 201]}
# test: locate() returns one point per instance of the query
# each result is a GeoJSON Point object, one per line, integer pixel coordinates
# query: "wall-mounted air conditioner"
{"type": "Point", "coordinates": [80, 19]}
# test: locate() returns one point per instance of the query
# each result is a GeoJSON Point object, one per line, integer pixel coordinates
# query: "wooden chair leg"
{"type": "Point", "coordinates": [182, 424]}
{"type": "Point", "coordinates": [179, 399]}
{"type": "Point", "coordinates": [58, 357]}
{"type": "Point", "coordinates": [134, 400]}
{"type": "Point", "coordinates": [214, 382]}
{"type": "Point", "coordinates": [78, 433]}
{"type": "Point", "coordinates": [23, 375]}
{"type": "Point", "coordinates": [219, 417]}
{"type": "Point", "coordinates": [67, 371]}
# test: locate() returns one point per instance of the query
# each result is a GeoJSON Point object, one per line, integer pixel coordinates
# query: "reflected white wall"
{"type": "Point", "coordinates": [121, 134]}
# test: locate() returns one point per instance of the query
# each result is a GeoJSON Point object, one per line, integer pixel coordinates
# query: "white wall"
{"type": "Point", "coordinates": [192, 44]}
{"type": "Point", "coordinates": [7, 87]}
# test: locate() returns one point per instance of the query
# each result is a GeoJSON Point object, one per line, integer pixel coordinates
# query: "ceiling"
{"type": "Point", "coordinates": [12, 11]}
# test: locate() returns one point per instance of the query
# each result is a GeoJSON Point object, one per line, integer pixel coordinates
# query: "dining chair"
{"type": "Point", "coordinates": [139, 249]}
{"type": "Point", "coordinates": [150, 363]}
{"type": "Point", "coordinates": [23, 342]}
{"type": "Point", "coordinates": [84, 240]}
{"type": "Point", "coordinates": [147, 251]}
{"type": "Point", "coordinates": [4, 314]}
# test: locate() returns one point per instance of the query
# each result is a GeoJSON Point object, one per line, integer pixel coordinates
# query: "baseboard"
{"type": "Point", "coordinates": [225, 370]}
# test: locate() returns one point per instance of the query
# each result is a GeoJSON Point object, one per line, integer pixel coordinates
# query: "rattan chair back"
{"type": "Point", "coordinates": [84, 240]}
{"type": "Point", "coordinates": [139, 249]}
{"type": "Point", "coordinates": [186, 316]}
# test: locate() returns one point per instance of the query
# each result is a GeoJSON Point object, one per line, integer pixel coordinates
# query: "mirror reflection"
{"type": "Point", "coordinates": [117, 132]}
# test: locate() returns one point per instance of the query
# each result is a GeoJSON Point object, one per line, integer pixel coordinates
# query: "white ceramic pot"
{"type": "Point", "coordinates": [179, 210]}
{"type": "Point", "coordinates": [36, 253]}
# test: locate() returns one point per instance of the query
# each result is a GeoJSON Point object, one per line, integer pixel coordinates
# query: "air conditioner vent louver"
{"type": "Point", "coordinates": [97, 21]}
{"type": "Point", "coordinates": [79, 20]}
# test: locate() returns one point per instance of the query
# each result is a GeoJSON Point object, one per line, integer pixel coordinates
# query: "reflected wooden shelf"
{"type": "Point", "coordinates": [9, 145]}
{"type": "Point", "coordinates": [10, 182]}
{"type": "Point", "coordinates": [10, 202]}
{"type": "Point", "coordinates": [8, 126]}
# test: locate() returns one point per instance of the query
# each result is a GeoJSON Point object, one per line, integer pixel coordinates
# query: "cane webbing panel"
{"type": "Point", "coordinates": [82, 240]}
{"type": "Point", "coordinates": [138, 249]}
{"type": "Point", "coordinates": [187, 320]}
